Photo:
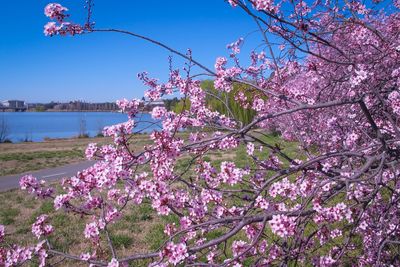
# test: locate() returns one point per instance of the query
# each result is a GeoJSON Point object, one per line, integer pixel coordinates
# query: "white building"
{"type": "Point", "coordinates": [13, 103]}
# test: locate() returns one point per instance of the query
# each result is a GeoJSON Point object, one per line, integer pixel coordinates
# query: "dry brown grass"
{"type": "Point", "coordinates": [25, 157]}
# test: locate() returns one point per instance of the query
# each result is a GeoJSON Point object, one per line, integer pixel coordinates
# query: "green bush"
{"type": "Point", "coordinates": [216, 100]}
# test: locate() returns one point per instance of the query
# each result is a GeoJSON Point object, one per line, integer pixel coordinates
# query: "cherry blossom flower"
{"type": "Point", "coordinates": [282, 225]}
{"type": "Point", "coordinates": [230, 174]}
{"type": "Point", "coordinates": [92, 231]}
{"type": "Point", "coordinates": [250, 149]}
{"type": "Point", "coordinates": [39, 228]}
{"type": "Point", "coordinates": [175, 253]}
{"type": "Point", "coordinates": [55, 11]}
{"type": "Point", "coordinates": [113, 263]}
{"type": "Point", "coordinates": [130, 107]}
{"type": "Point", "coordinates": [158, 112]}
{"type": "Point", "coordinates": [51, 29]}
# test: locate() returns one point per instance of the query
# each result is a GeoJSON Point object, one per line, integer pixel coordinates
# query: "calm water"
{"type": "Point", "coordinates": [36, 126]}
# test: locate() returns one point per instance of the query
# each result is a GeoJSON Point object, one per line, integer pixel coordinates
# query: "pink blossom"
{"type": "Point", "coordinates": [33, 186]}
{"type": "Point", "coordinates": [220, 64]}
{"type": "Point", "coordinates": [42, 257]}
{"type": "Point", "coordinates": [351, 139]}
{"type": "Point", "coordinates": [113, 263]}
{"type": "Point", "coordinates": [284, 188]}
{"type": "Point", "coordinates": [224, 76]}
{"type": "Point", "coordinates": [235, 47]}
{"type": "Point", "coordinates": [228, 143]}
{"type": "Point", "coordinates": [130, 107]}
{"type": "Point", "coordinates": [282, 225]}
{"type": "Point", "coordinates": [158, 112]}
{"type": "Point", "coordinates": [233, 2]}
{"type": "Point", "coordinates": [262, 203]}
{"type": "Point", "coordinates": [394, 100]}
{"type": "Point", "coordinates": [238, 247]}
{"type": "Point", "coordinates": [170, 229]}
{"type": "Point", "coordinates": [92, 231]}
{"type": "Point", "coordinates": [85, 256]}
{"type": "Point", "coordinates": [119, 131]}
{"type": "Point", "coordinates": [28, 182]}
{"type": "Point", "coordinates": [230, 174]}
{"type": "Point", "coordinates": [50, 29]}
{"type": "Point", "coordinates": [326, 261]}
{"type": "Point", "coordinates": [250, 149]}
{"type": "Point", "coordinates": [267, 5]}
{"type": "Point", "coordinates": [242, 99]}
{"type": "Point", "coordinates": [112, 214]}
{"type": "Point", "coordinates": [185, 222]}
{"type": "Point", "coordinates": [91, 151]}
{"type": "Point", "coordinates": [18, 255]}
{"type": "Point", "coordinates": [258, 104]}
{"type": "Point", "coordinates": [360, 76]}
{"type": "Point", "coordinates": [39, 228]}
{"type": "Point", "coordinates": [302, 8]}
{"type": "Point", "coordinates": [336, 213]}
{"type": "Point", "coordinates": [61, 200]}
{"type": "Point", "coordinates": [175, 253]}
{"type": "Point", "coordinates": [55, 11]}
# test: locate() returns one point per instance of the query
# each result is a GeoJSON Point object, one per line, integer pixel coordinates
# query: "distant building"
{"type": "Point", "coordinates": [158, 103]}
{"type": "Point", "coordinates": [148, 106]}
{"type": "Point", "coordinates": [13, 104]}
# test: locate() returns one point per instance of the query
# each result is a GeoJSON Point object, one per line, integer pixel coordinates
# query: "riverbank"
{"type": "Point", "coordinates": [17, 158]}
{"type": "Point", "coordinates": [76, 110]}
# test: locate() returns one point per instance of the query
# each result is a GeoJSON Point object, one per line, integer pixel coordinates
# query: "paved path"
{"type": "Point", "coordinates": [12, 181]}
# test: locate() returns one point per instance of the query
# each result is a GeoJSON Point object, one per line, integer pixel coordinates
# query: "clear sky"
{"type": "Point", "coordinates": [103, 66]}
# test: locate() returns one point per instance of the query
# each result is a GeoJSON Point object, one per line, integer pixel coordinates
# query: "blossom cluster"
{"type": "Point", "coordinates": [283, 225]}
{"type": "Point", "coordinates": [175, 253]}
{"type": "Point", "coordinates": [15, 255]}
{"type": "Point", "coordinates": [40, 228]}
{"type": "Point", "coordinates": [56, 12]}
{"type": "Point", "coordinates": [33, 186]}
{"type": "Point", "coordinates": [230, 174]}
{"type": "Point", "coordinates": [131, 107]}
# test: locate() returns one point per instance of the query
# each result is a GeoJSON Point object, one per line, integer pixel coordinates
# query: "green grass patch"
{"type": "Point", "coordinates": [24, 157]}
{"type": "Point", "coordinates": [8, 216]}
{"type": "Point", "coordinates": [120, 241]}
{"type": "Point", "coordinates": [143, 212]}
{"type": "Point", "coordinates": [155, 238]}
{"type": "Point", "coordinates": [45, 208]}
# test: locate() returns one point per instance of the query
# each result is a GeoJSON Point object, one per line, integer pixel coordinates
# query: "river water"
{"type": "Point", "coordinates": [36, 126]}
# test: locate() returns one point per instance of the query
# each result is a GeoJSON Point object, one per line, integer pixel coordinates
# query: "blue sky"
{"type": "Point", "coordinates": [103, 66]}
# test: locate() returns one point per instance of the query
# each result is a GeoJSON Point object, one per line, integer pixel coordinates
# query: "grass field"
{"type": "Point", "coordinates": [140, 230]}
{"type": "Point", "coordinates": [25, 157]}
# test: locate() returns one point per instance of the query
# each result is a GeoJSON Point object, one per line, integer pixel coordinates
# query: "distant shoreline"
{"type": "Point", "coordinates": [53, 110]}
{"type": "Point", "coordinates": [35, 111]}
{"type": "Point", "coordinates": [36, 126]}
{"type": "Point", "coordinates": [71, 138]}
